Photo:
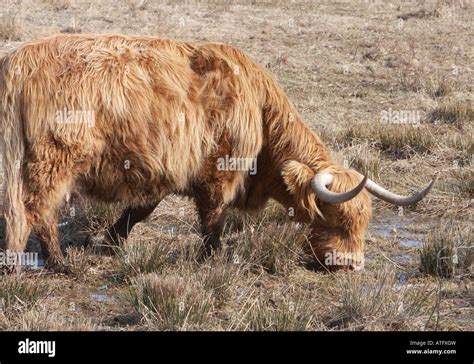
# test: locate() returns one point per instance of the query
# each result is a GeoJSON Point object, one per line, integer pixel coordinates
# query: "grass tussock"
{"type": "Point", "coordinates": [280, 314]}
{"type": "Point", "coordinates": [146, 256]}
{"type": "Point", "coordinates": [396, 105]}
{"type": "Point", "coordinates": [398, 141]}
{"type": "Point", "coordinates": [439, 86]}
{"type": "Point", "coordinates": [363, 157]}
{"type": "Point", "coordinates": [79, 261]}
{"type": "Point", "coordinates": [97, 216]}
{"type": "Point", "coordinates": [448, 250]}
{"type": "Point", "coordinates": [442, 9]}
{"type": "Point", "coordinates": [43, 319]}
{"type": "Point", "coordinates": [219, 280]}
{"type": "Point", "coordinates": [236, 220]}
{"type": "Point", "coordinates": [20, 293]}
{"type": "Point", "coordinates": [462, 145]}
{"type": "Point", "coordinates": [373, 301]}
{"type": "Point", "coordinates": [9, 28]}
{"type": "Point", "coordinates": [171, 302]}
{"type": "Point", "coordinates": [459, 181]}
{"type": "Point", "coordinates": [58, 5]}
{"type": "Point", "coordinates": [454, 112]}
{"type": "Point", "coordinates": [272, 247]}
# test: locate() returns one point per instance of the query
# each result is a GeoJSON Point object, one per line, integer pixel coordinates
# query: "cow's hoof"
{"type": "Point", "coordinates": [207, 252]}
{"type": "Point", "coordinates": [102, 244]}
{"type": "Point", "coordinates": [204, 253]}
{"type": "Point", "coordinates": [58, 266]}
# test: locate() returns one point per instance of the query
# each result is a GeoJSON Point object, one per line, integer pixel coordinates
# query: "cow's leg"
{"type": "Point", "coordinates": [130, 217]}
{"type": "Point", "coordinates": [212, 211]}
{"type": "Point", "coordinates": [48, 178]}
{"type": "Point", "coordinates": [42, 216]}
{"type": "Point", "coordinates": [17, 247]}
{"type": "Point", "coordinates": [43, 210]}
{"type": "Point", "coordinates": [46, 230]}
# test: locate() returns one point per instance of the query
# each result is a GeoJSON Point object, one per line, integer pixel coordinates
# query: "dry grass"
{"type": "Point", "coordinates": [218, 279]}
{"type": "Point", "coordinates": [280, 314]}
{"type": "Point", "coordinates": [375, 301]}
{"type": "Point", "coordinates": [44, 318]}
{"type": "Point", "coordinates": [171, 302]}
{"type": "Point", "coordinates": [455, 112]}
{"type": "Point", "coordinates": [363, 157]}
{"type": "Point", "coordinates": [58, 5]}
{"type": "Point", "coordinates": [9, 28]}
{"type": "Point", "coordinates": [439, 86]}
{"type": "Point", "coordinates": [19, 294]}
{"type": "Point", "coordinates": [97, 216]}
{"type": "Point", "coordinates": [139, 256]}
{"type": "Point", "coordinates": [78, 261]}
{"type": "Point", "coordinates": [460, 181]}
{"type": "Point", "coordinates": [272, 247]}
{"type": "Point", "coordinates": [396, 141]}
{"type": "Point", "coordinates": [448, 250]}
{"type": "Point", "coordinates": [342, 64]}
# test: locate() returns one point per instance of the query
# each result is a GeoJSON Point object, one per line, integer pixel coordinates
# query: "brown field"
{"type": "Point", "coordinates": [388, 86]}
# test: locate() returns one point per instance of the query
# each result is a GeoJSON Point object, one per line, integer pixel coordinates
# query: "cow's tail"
{"type": "Point", "coordinates": [16, 229]}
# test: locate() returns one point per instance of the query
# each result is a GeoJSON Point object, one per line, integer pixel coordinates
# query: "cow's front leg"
{"type": "Point", "coordinates": [212, 224]}
{"type": "Point", "coordinates": [120, 230]}
{"type": "Point", "coordinates": [211, 209]}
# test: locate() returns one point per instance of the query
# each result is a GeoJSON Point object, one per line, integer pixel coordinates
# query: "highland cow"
{"type": "Point", "coordinates": [134, 119]}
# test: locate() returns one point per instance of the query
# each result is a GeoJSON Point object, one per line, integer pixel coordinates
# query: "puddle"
{"type": "Point", "coordinates": [401, 281]}
{"type": "Point", "coordinates": [411, 243]}
{"type": "Point", "coordinates": [405, 258]}
{"type": "Point", "coordinates": [402, 278]}
{"type": "Point", "coordinates": [398, 227]}
{"type": "Point", "coordinates": [100, 297]}
{"type": "Point", "coordinates": [169, 229]}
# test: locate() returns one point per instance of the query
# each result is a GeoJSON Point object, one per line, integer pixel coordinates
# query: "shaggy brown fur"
{"type": "Point", "coordinates": [165, 111]}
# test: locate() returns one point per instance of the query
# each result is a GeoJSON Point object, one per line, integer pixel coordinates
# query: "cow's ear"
{"type": "Point", "coordinates": [297, 178]}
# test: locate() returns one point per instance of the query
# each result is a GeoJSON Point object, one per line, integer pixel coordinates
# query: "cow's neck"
{"type": "Point", "coordinates": [292, 142]}
{"type": "Point", "coordinates": [285, 138]}
{"type": "Point", "coordinates": [286, 135]}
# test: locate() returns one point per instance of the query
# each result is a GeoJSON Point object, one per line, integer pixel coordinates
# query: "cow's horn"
{"type": "Point", "coordinates": [323, 179]}
{"type": "Point", "coordinates": [395, 199]}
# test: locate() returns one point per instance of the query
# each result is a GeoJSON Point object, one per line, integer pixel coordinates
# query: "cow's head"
{"type": "Point", "coordinates": [337, 203]}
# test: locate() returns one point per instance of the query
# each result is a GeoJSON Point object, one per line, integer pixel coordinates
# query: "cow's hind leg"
{"type": "Point", "coordinates": [120, 230]}
{"type": "Point", "coordinates": [49, 177]}
{"type": "Point", "coordinates": [46, 230]}
{"type": "Point", "coordinates": [17, 247]}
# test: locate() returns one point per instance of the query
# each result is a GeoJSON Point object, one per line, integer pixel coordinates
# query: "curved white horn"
{"type": "Point", "coordinates": [323, 179]}
{"type": "Point", "coordinates": [395, 199]}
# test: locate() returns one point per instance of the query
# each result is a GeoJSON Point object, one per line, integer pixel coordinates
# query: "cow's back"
{"type": "Point", "coordinates": [145, 112]}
